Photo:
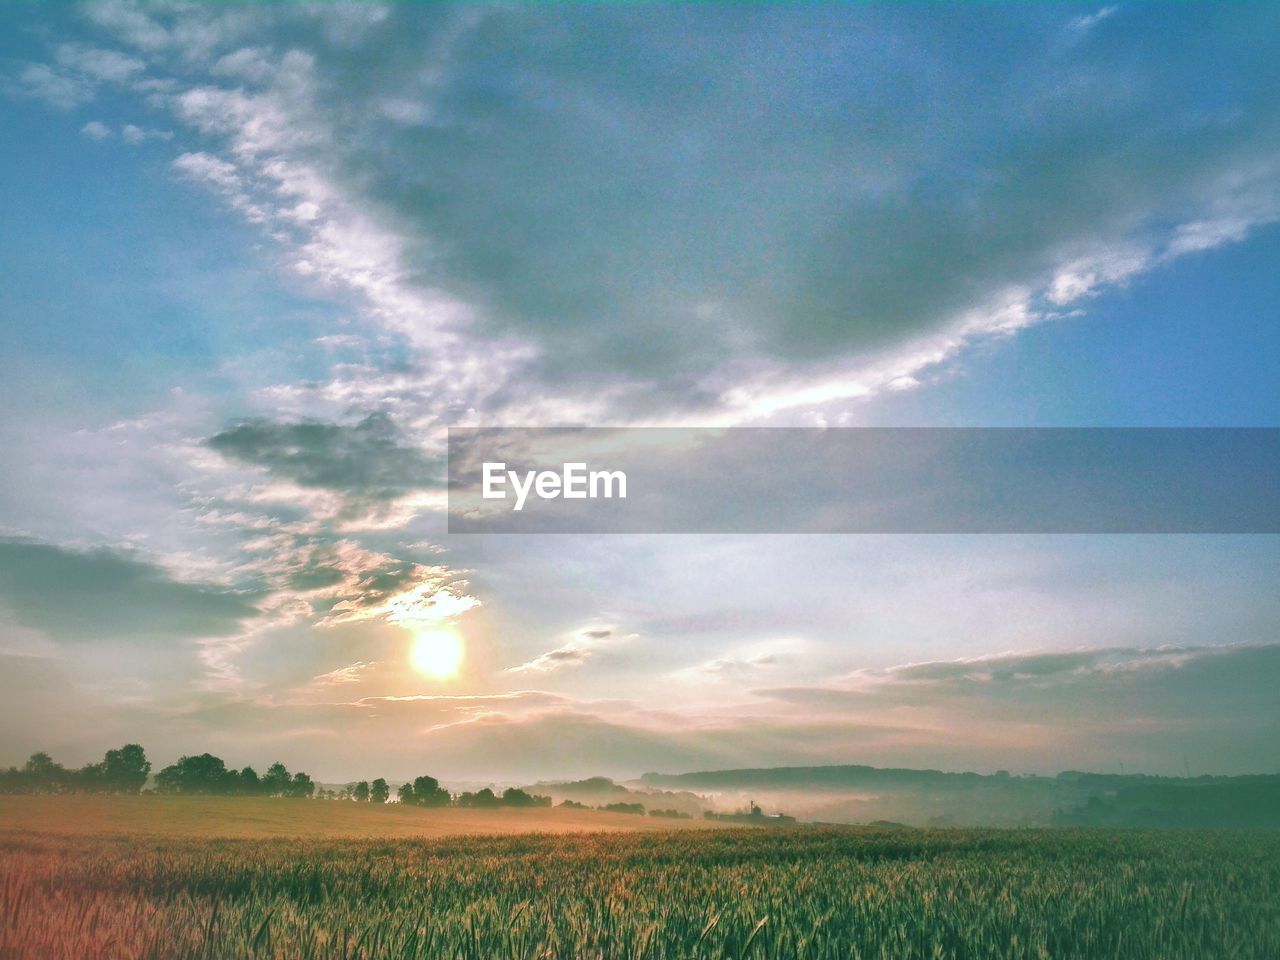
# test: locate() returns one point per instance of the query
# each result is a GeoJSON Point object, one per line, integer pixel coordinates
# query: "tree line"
{"type": "Point", "coordinates": [127, 770]}
{"type": "Point", "coordinates": [121, 771]}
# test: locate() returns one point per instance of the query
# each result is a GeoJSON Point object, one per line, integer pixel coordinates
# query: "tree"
{"type": "Point", "coordinates": [361, 792]}
{"type": "Point", "coordinates": [379, 791]}
{"type": "Point", "coordinates": [634, 808]}
{"type": "Point", "coordinates": [248, 782]}
{"type": "Point", "coordinates": [300, 786]}
{"type": "Point", "coordinates": [481, 798]}
{"type": "Point", "coordinates": [89, 778]}
{"type": "Point", "coordinates": [43, 775]}
{"type": "Point", "coordinates": [125, 770]}
{"type": "Point", "coordinates": [199, 774]}
{"type": "Point", "coordinates": [514, 797]}
{"type": "Point", "coordinates": [276, 781]}
{"type": "Point", "coordinates": [405, 794]}
{"type": "Point", "coordinates": [427, 792]}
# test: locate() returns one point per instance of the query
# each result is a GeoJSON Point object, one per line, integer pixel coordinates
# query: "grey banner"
{"type": "Point", "coordinates": [875, 480]}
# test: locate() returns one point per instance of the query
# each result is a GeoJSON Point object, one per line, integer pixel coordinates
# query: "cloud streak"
{"type": "Point", "coordinates": [576, 652]}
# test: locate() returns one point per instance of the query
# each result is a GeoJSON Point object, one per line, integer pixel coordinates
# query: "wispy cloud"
{"type": "Point", "coordinates": [1086, 22]}
{"type": "Point", "coordinates": [579, 649]}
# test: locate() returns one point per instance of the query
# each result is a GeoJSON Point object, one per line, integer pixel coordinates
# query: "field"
{"type": "Point", "coordinates": [786, 893]}
{"type": "Point", "coordinates": [258, 817]}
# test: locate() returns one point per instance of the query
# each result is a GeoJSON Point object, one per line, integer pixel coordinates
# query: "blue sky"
{"type": "Point", "coordinates": [258, 257]}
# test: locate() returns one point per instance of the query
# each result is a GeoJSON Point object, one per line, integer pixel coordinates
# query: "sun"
{"type": "Point", "coordinates": [436, 653]}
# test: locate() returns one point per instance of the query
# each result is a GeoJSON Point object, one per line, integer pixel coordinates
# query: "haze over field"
{"type": "Point", "coordinates": [258, 258]}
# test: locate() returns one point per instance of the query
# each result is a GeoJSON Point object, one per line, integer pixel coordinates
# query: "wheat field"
{"type": "Point", "coordinates": [788, 893]}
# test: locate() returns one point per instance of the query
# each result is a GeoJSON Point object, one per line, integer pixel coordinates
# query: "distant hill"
{"type": "Point", "coordinates": [862, 794]}
{"type": "Point", "coordinates": [600, 791]}
{"type": "Point", "coordinates": [809, 778]}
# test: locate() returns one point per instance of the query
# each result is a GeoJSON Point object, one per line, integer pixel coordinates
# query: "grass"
{"type": "Point", "coordinates": [737, 893]}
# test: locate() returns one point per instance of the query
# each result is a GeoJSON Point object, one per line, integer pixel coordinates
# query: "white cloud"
{"type": "Point", "coordinates": [434, 601]}
{"type": "Point", "coordinates": [344, 675]}
{"type": "Point", "coordinates": [248, 63]}
{"type": "Point", "coordinates": [57, 88]}
{"type": "Point", "coordinates": [1087, 22]}
{"type": "Point", "coordinates": [210, 169]}
{"type": "Point", "coordinates": [97, 63]}
{"type": "Point", "coordinates": [135, 136]}
{"type": "Point", "coordinates": [96, 130]}
{"type": "Point", "coordinates": [1206, 235]}
{"type": "Point", "coordinates": [132, 134]}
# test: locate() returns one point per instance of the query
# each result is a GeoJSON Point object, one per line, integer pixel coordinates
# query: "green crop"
{"type": "Point", "coordinates": [787, 893]}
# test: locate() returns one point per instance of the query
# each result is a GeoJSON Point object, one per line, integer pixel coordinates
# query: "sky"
{"type": "Point", "coordinates": [258, 258]}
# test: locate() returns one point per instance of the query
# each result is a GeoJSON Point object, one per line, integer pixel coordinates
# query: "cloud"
{"type": "Point", "coordinates": [574, 653]}
{"type": "Point", "coordinates": [1079, 708]}
{"type": "Point", "coordinates": [356, 477]}
{"type": "Point", "coordinates": [607, 215]}
{"type": "Point", "coordinates": [109, 66]}
{"type": "Point", "coordinates": [129, 133]}
{"type": "Point", "coordinates": [365, 458]}
{"type": "Point", "coordinates": [1086, 22]}
{"type": "Point", "coordinates": [132, 134]}
{"type": "Point", "coordinates": [84, 596]}
{"type": "Point", "coordinates": [438, 599]}
{"type": "Point", "coordinates": [342, 582]}
{"type": "Point", "coordinates": [96, 130]}
{"type": "Point", "coordinates": [676, 273]}
{"type": "Point", "coordinates": [745, 664]}
{"type": "Point", "coordinates": [207, 168]}
{"type": "Point", "coordinates": [75, 75]}
{"type": "Point", "coordinates": [57, 88]}
{"type": "Point", "coordinates": [352, 673]}
{"type": "Point", "coordinates": [677, 246]}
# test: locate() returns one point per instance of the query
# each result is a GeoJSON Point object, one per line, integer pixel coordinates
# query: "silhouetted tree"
{"type": "Point", "coordinates": [43, 775]}
{"type": "Point", "coordinates": [248, 782]}
{"type": "Point", "coordinates": [361, 792]}
{"type": "Point", "coordinates": [633, 808]}
{"type": "Point", "coordinates": [427, 792]}
{"type": "Point", "coordinates": [405, 794]}
{"type": "Point", "coordinates": [300, 786]}
{"type": "Point", "coordinates": [126, 769]}
{"type": "Point", "coordinates": [88, 779]}
{"type": "Point", "coordinates": [276, 781]}
{"type": "Point", "coordinates": [204, 773]}
{"type": "Point", "coordinates": [484, 798]}
{"type": "Point", "coordinates": [379, 791]}
{"type": "Point", "coordinates": [513, 797]}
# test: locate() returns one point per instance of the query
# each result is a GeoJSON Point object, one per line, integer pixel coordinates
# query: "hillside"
{"type": "Point", "coordinates": [861, 794]}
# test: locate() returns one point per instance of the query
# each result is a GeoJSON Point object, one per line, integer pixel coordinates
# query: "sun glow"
{"type": "Point", "coordinates": [436, 653]}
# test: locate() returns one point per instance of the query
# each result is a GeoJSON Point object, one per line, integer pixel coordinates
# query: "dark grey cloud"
{"type": "Point", "coordinates": [1007, 668]}
{"type": "Point", "coordinates": [78, 596]}
{"type": "Point", "coordinates": [657, 188]}
{"type": "Point", "coordinates": [365, 459]}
